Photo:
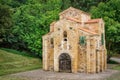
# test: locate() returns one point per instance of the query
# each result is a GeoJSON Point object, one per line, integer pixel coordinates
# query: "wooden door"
{"type": "Point", "coordinates": [64, 63]}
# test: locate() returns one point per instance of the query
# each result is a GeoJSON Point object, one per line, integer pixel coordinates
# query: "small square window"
{"type": "Point", "coordinates": [70, 27]}
{"type": "Point", "coordinates": [58, 28]}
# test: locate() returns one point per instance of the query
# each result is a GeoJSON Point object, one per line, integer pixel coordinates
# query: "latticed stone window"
{"type": "Point", "coordinates": [82, 40]}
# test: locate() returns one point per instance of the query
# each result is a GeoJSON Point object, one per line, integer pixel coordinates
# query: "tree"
{"type": "Point", "coordinates": [31, 22]}
{"type": "Point", "coordinates": [110, 13]}
{"type": "Point", "coordinates": [5, 20]}
{"type": "Point", "coordinates": [80, 4]}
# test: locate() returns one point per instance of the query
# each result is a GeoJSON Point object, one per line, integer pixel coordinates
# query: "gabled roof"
{"type": "Point", "coordinates": [71, 8]}
{"type": "Point", "coordinates": [83, 29]}
{"type": "Point", "coordinates": [87, 22]}
{"type": "Point", "coordinates": [52, 23]}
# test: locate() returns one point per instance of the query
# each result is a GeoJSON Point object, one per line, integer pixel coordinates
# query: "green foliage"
{"type": "Point", "coordinates": [23, 53]}
{"type": "Point", "coordinates": [32, 22]}
{"type": "Point", "coordinates": [66, 4]}
{"type": "Point", "coordinates": [112, 62]}
{"type": "Point", "coordinates": [5, 20]}
{"type": "Point", "coordinates": [117, 67]}
{"type": "Point", "coordinates": [110, 13]}
{"type": "Point", "coordinates": [85, 4]}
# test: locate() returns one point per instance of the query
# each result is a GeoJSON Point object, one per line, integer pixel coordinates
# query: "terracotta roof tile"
{"type": "Point", "coordinates": [89, 21]}
{"type": "Point", "coordinates": [86, 30]}
{"type": "Point", "coordinates": [73, 19]}
{"type": "Point", "coordinates": [93, 20]}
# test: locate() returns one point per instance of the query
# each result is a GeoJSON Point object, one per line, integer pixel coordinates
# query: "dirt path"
{"type": "Point", "coordinates": [47, 75]}
{"type": "Point", "coordinates": [115, 59]}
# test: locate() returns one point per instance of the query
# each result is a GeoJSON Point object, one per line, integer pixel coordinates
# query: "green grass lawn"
{"type": "Point", "coordinates": [117, 67]}
{"type": "Point", "coordinates": [7, 77]}
{"type": "Point", "coordinates": [12, 61]}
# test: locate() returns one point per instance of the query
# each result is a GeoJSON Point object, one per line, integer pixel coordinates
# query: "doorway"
{"type": "Point", "coordinates": [64, 63]}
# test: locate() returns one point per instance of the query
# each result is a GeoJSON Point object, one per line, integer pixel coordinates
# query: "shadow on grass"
{"type": "Point", "coordinates": [12, 61]}
{"type": "Point", "coordinates": [19, 53]}
{"type": "Point", "coordinates": [112, 62]}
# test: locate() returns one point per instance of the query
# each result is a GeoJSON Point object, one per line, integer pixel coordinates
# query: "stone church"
{"type": "Point", "coordinates": [75, 43]}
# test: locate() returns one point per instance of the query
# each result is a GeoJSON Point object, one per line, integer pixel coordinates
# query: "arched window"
{"type": "Point", "coordinates": [52, 42]}
{"type": "Point", "coordinates": [65, 34]}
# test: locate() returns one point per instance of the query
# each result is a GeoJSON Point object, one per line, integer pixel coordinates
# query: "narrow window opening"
{"type": "Point", "coordinates": [65, 34]}
{"type": "Point", "coordinates": [52, 42]}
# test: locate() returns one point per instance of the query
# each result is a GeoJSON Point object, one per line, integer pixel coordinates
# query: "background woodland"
{"type": "Point", "coordinates": [24, 22]}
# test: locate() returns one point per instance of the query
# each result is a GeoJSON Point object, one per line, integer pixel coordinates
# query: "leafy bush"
{"type": "Point", "coordinates": [32, 22]}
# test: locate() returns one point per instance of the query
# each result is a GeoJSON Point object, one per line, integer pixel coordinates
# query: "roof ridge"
{"type": "Point", "coordinates": [74, 9]}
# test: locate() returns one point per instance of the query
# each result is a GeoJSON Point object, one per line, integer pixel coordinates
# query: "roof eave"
{"type": "Point", "coordinates": [74, 9]}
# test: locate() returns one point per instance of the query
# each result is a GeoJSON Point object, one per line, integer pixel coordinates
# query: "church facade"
{"type": "Point", "coordinates": [75, 43]}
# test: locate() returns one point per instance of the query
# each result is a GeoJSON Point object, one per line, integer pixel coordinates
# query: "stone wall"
{"type": "Point", "coordinates": [69, 46]}
{"type": "Point", "coordinates": [65, 37]}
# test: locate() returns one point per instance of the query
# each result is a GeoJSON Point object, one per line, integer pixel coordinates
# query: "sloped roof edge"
{"type": "Point", "coordinates": [89, 21]}
{"type": "Point", "coordinates": [47, 34]}
{"type": "Point", "coordinates": [88, 31]}
{"type": "Point", "coordinates": [74, 9]}
{"type": "Point", "coordinates": [94, 20]}
{"type": "Point", "coordinates": [73, 19]}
